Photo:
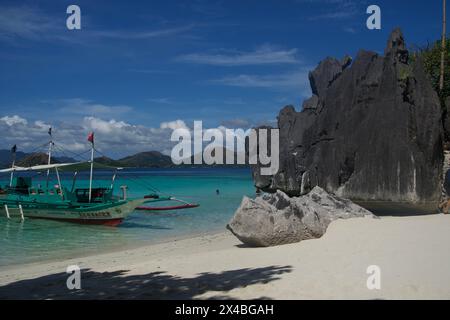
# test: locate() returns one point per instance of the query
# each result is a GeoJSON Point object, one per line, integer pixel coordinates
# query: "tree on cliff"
{"type": "Point", "coordinates": [431, 57]}
{"type": "Point", "coordinates": [435, 57]}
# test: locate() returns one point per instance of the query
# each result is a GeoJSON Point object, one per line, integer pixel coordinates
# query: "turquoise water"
{"type": "Point", "coordinates": [38, 240]}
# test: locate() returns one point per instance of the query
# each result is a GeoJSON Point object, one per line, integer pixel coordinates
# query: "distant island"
{"type": "Point", "coordinates": [148, 159]}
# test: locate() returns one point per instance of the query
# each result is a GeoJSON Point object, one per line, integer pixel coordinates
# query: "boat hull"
{"type": "Point", "coordinates": [113, 222]}
{"type": "Point", "coordinates": [110, 215]}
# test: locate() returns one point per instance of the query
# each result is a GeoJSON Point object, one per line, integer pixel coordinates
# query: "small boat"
{"type": "Point", "coordinates": [81, 205]}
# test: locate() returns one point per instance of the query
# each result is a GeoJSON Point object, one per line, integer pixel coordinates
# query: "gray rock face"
{"type": "Point", "coordinates": [371, 131]}
{"type": "Point", "coordinates": [327, 71]}
{"type": "Point", "coordinates": [447, 120]}
{"type": "Point", "coordinates": [276, 219]}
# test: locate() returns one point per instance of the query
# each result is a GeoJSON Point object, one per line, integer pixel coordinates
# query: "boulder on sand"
{"type": "Point", "coordinates": [276, 219]}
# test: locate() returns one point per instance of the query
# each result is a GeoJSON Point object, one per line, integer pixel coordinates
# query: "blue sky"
{"type": "Point", "coordinates": [136, 67]}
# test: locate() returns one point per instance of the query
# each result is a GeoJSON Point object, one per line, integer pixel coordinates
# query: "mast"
{"type": "Point", "coordinates": [59, 183]}
{"type": "Point", "coordinates": [443, 52]}
{"type": "Point", "coordinates": [91, 140]}
{"type": "Point", "coordinates": [13, 151]}
{"type": "Point", "coordinates": [50, 145]}
{"type": "Point", "coordinates": [113, 179]}
{"type": "Point", "coordinates": [74, 180]}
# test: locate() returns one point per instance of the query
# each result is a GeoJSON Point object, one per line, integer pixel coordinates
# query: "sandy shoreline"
{"type": "Point", "coordinates": [79, 254]}
{"type": "Point", "coordinates": [412, 253]}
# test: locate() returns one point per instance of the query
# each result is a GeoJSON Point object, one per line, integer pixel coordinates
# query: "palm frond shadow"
{"type": "Point", "coordinates": [154, 285]}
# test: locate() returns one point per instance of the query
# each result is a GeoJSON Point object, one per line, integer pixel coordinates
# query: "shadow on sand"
{"type": "Point", "coordinates": [155, 285]}
{"type": "Point", "coordinates": [398, 209]}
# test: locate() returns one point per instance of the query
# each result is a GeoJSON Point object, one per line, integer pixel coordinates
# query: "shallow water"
{"type": "Point", "coordinates": [38, 240]}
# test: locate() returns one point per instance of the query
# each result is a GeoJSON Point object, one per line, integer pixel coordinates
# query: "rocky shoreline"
{"type": "Point", "coordinates": [372, 132]}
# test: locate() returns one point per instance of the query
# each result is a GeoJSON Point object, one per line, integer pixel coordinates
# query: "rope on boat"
{"type": "Point", "coordinates": [148, 186]}
{"type": "Point", "coordinates": [73, 154]}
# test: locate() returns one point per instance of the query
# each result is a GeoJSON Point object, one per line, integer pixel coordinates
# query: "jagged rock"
{"type": "Point", "coordinates": [276, 219]}
{"type": "Point", "coordinates": [327, 72]}
{"type": "Point", "coordinates": [346, 61]}
{"type": "Point", "coordinates": [311, 103]}
{"type": "Point", "coordinates": [376, 135]}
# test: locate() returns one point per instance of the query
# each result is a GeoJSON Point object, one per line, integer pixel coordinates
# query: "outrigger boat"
{"type": "Point", "coordinates": [81, 205]}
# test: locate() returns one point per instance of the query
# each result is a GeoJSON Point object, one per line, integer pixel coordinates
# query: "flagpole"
{"type": "Point", "coordinates": [443, 46]}
{"type": "Point", "coordinates": [92, 168]}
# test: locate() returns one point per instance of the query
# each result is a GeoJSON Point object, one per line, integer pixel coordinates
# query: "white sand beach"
{"type": "Point", "coordinates": [412, 253]}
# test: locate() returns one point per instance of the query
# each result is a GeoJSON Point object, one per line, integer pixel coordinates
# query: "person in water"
{"type": "Point", "coordinates": [217, 192]}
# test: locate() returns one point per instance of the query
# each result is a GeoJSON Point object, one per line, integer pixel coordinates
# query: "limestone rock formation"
{"type": "Point", "coordinates": [276, 219]}
{"type": "Point", "coordinates": [371, 131]}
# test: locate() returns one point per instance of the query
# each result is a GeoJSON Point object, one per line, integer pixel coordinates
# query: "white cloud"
{"type": "Point", "coordinates": [161, 100]}
{"type": "Point", "coordinates": [42, 124]}
{"type": "Point", "coordinates": [29, 23]}
{"type": "Point", "coordinates": [85, 107]}
{"type": "Point", "coordinates": [333, 15]}
{"type": "Point", "coordinates": [334, 9]}
{"type": "Point", "coordinates": [103, 126]}
{"type": "Point", "coordinates": [261, 56]}
{"type": "Point", "coordinates": [297, 81]}
{"type": "Point", "coordinates": [113, 138]}
{"type": "Point", "coordinates": [140, 35]}
{"type": "Point", "coordinates": [13, 120]}
{"type": "Point", "coordinates": [173, 125]}
{"type": "Point", "coordinates": [23, 22]}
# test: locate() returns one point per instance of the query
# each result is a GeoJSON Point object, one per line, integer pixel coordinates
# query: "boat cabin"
{"type": "Point", "coordinates": [23, 187]}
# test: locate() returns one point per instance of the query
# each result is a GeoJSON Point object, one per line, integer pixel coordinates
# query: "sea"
{"type": "Point", "coordinates": [218, 191]}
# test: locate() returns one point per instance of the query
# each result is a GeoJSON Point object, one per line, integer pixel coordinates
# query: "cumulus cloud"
{"type": "Point", "coordinates": [13, 120]}
{"type": "Point", "coordinates": [113, 138]}
{"type": "Point", "coordinates": [173, 125]}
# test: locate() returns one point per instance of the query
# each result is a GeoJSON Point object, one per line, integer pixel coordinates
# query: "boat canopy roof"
{"type": "Point", "coordinates": [42, 167]}
{"type": "Point", "coordinates": [75, 166]}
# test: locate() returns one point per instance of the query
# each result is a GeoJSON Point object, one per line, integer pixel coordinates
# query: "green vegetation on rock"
{"type": "Point", "coordinates": [431, 57]}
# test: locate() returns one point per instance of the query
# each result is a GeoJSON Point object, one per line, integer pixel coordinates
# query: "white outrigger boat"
{"type": "Point", "coordinates": [81, 205]}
